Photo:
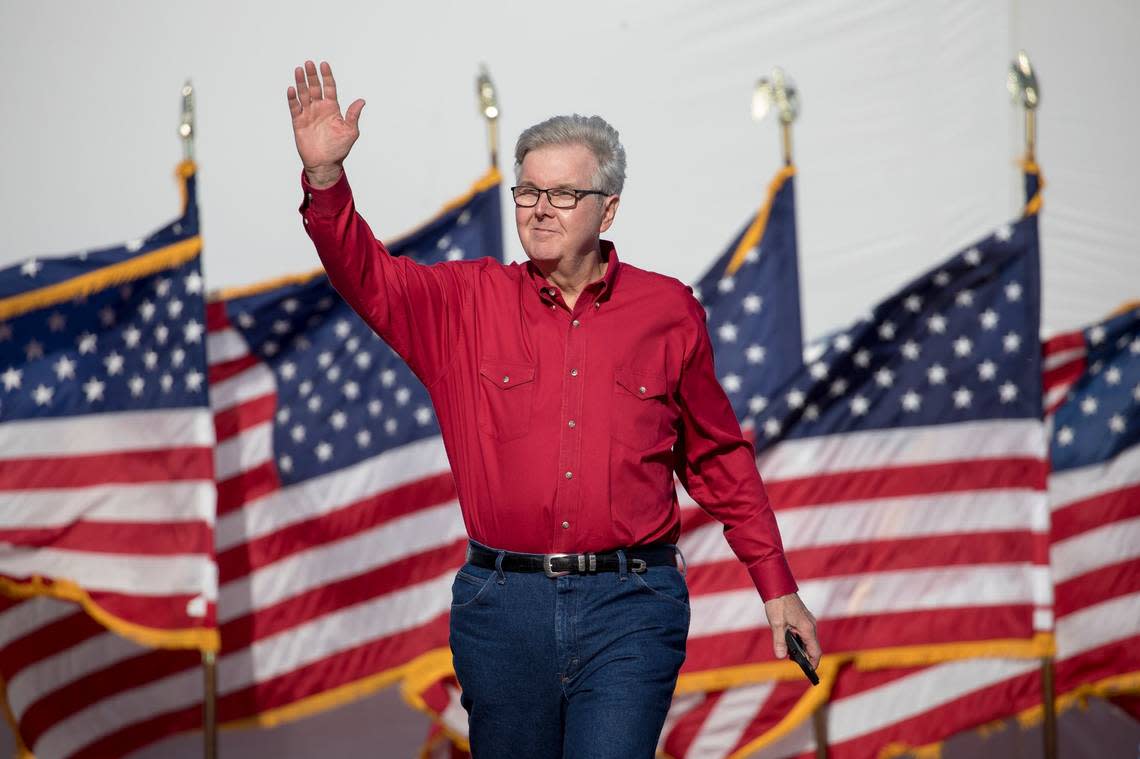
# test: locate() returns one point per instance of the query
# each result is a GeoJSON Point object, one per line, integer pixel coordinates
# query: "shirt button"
{"type": "Point", "coordinates": [568, 475]}
{"type": "Point", "coordinates": [565, 525]}
{"type": "Point", "coordinates": [571, 424]}
{"type": "Point", "coordinates": [640, 389]}
{"type": "Point", "coordinates": [575, 323]}
{"type": "Point", "coordinates": [597, 304]}
{"type": "Point", "coordinates": [507, 379]}
{"type": "Point", "coordinates": [573, 372]}
{"type": "Point", "coordinates": [551, 291]}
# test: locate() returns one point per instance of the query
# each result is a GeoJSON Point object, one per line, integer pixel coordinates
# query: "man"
{"type": "Point", "coordinates": [568, 390]}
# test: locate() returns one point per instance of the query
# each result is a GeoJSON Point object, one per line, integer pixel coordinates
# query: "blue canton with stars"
{"type": "Point", "coordinates": [126, 347]}
{"type": "Point", "coordinates": [957, 344]}
{"type": "Point", "coordinates": [753, 314]}
{"type": "Point", "coordinates": [343, 395]}
{"type": "Point", "coordinates": [1101, 415]}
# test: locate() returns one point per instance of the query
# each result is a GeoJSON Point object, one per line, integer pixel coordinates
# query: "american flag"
{"type": "Point", "coordinates": [106, 442]}
{"type": "Point", "coordinates": [338, 531]}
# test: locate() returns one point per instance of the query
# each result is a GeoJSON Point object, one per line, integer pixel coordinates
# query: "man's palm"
{"type": "Point", "coordinates": [324, 138]}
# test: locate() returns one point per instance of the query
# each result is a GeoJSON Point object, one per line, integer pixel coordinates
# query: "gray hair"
{"type": "Point", "coordinates": [593, 132]}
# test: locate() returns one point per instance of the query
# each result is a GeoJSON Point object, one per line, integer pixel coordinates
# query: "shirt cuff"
{"type": "Point", "coordinates": [327, 202]}
{"type": "Point", "coordinates": [773, 577]}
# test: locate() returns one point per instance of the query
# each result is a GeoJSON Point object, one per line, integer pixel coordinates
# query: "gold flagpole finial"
{"type": "Point", "coordinates": [186, 128]}
{"type": "Point", "coordinates": [1026, 92]}
{"type": "Point", "coordinates": [778, 91]}
{"type": "Point", "coordinates": [489, 108]}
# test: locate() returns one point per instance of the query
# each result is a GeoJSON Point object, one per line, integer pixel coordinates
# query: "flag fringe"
{"type": "Point", "coordinates": [1033, 205]}
{"type": "Point", "coordinates": [1041, 645]}
{"type": "Point", "coordinates": [22, 751]}
{"type": "Point", "coordinates": [1115, 685]}
{"type": "Point", "coordinates": [422, 673]}
{"type": "Point", "coordinates": [485, 182]}
{"type": "Point", "coordinates": [200, 638]}
{"type": "Point", "coordinates": [756, 229]}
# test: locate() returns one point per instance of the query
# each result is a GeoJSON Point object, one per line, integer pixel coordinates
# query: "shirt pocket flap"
{"type": "Point", "coordinates": [641, 384]}
{"type": "Point", "coordinates": [506, 374]}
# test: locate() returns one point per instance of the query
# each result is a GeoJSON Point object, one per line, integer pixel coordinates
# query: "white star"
{"type": "Point", "coordinates": [1065, 436]}
{"type": "Point", "coordinates": [390, 426]}
{"type": "Point", "coordinates": [131, 336]}
{"type": "Point", "coordinates": [12, 377]}
{"type": "Point", "coordinates": [352, 344]}
{"type": "Point", "coordinates": [795, 399]}
{"type": "Point", "coordinates": [333, 374]}
{"type": "Point", "coordinates": [174, 308]}
{"type": "Point", "coordinates": [162, 287]}
{"type": "Point", "coordinates": [363, 438]}
{"type": "Point", "coordinates": [884, 377]}
{"type": "Point", "coordinates": [1003, 233]}
{"type": "Point", "coordinates": [297, 433]}
{"type": "Point", "coordinates": [161, 333]}
{"type": "Point", "coordinates": [964, 298]}
{"type": "Point", "coordinates": [942, 279]}
{"type": "Point", "coordinates": [363, 359]}
{"type": "Point", "coordinates": [166, 382]}
{"type": "Point", "coordinates": [1013, 292]}
{"type": "Point", "coordinates": [1116, 423]}
{"type": "Point", "coordinates": [842, 343]}
{"type": "Point", "coordinates": [859, 405]}
{"type": "Point", "coordinates": [403, 395]}
{"type": "Point", "coordinates": [423, 416]}
{"type": "Point", "coordinates": [244, 320]}
{"type": "Point", "coordinates": [911, 401]}
{"type": "Point", "coordinates": [107, 316]}
{"type": "Point", "coordinates": [771, 428]}
{"type": "Point", "coordinates": [287, 370]}
{"type": "Point", "coordinates": [314, 403]}
{"type": "Point", "coordinates": [1089, 405]}
{"type": "Point", "coordinates": [1136, 392]}
{"type": "Point", "coordinates": [351, 390]}
{"type": "Point", "coordinates": [134, 245]}
{"type": "Point", "coordinates": [150, 359]}
{"type": "Point", "coordinates": [57, 321]}
{"type": "Point", "coordinates": [374, 407]}
{"type": "Point", "coordinates": [443, 242]}
{"type": "Point", "coordinates": [727, 332]}
{"type": "Point", "coordinates": [290, 305]}
{"type": "Point", "coordinates": [87, 343]}
{"type": "Point", "coordinates": [1011, 342]}
{"type": "Point", "coordinates": [455, 254]}
{"type": "Point", "coordinates": [42, 395]}
{"type": "Point", "coordinates": [838, 387]}
{"type": "Point", "coordinates": [280, 326]}
{"type": "Point", "coordinates": [1112, 376]}
{"type": "Point", "coordinates": [114, 363]}
{"type": "Point", "coordinates": [1008, 392]}
{"type": "Point", "coordinates": [1134, 347]}
{"type": "Point", "coordinates": [325, 359]}
{"type": "Point", "coordinates": [755, 354]}
{"type": "Point", "coordinates": [732, 383]}
{"type": "Point", "coordinates": [936, 324]}
{"type": "Point", "coordinates": [33, 350]}
{"type": "Point", "coordinates": [285, 463]}
{"type": "Point", "coordinates": [31, 267]}
{"type": "Point", "coordinates": [464, 219]}
{"type": "Point", "coordinates": [194, 380]}
{"type": "Point", "coordinates": [887, 331]}
{"type": "Point", "coordinates": [811, 413]}
{"type": "Point", "coordinates": [963, 346]}
{"type": "Point", "coordinates": [913, 303]}
{"type": "Point", "coordinates": [283, 415]}
{"type": "Point", "coordinates": [818, 370]}
{"type": "Point", "coordinates": [192, 332]}
{"type": "Point", "coordinates": [758, 403]}
{"type": "Point", "coordinates": [988, 318]}
{"type": "Point", "coordinates": [725, 285]}
{"type": "Point", "coordinates": [305, 387]}
{"type": "Point", "coordinates": [752, 303]}
{"type": "Point", "coordinates": [1097, 334]}
{"type": "Point", "coordinates": [962, 397]}
{"type": "Point", "coordinates": [973, 256]}
{"type": "Point", "coordinates": [388, 377]}
{"type": "Point", "coordinates": [936, 374]}
{"type": "Point", "coordinates": [342, 329]}
{"type": "Point", "coordinates": [324, 451]}
{"type": "Point", "coordinates": [910, 350]}
{"type": "Point", "coordinates": [987, 370]}
{"type": "Point", "coordinates": [1096, 367]}
{"type": "Point", "coordinates": [193, 283]}
{"type": "Point", "coordinates": [136, 384]}
{"type": "Point", "coordinates": [146, 310]}
{"type": "Point", "coordinates": [338, 420]}
{"type": "Point", "coordinates": [93, 389]}
{"type": "Point", "coordinates": [753, 255]}
{"type": "Point", "coordinates": [64, 368]}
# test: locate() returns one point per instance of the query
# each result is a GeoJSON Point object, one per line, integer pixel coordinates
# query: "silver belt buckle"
{"type": "Point", "coordinates": [548, 570]}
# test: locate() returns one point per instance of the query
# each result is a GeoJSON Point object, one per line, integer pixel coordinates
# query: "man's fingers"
{"type": "Point", "coordinates": [294, 104]}
{"type": "Point", "coordinates": [352, 115]}
{"type": "Point", "coordinates": [302, 87]}
{"type": "Point", "coordinates": [313, 80]}
{"type": "Point", "coordinates": [779, 647]}
{"type": "Point", "coordinates": [811, 644]}
{"type": "Point", "coordinates": [329, 82]}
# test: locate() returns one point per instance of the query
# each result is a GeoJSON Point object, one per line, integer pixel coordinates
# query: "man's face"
{"type": "Point", "coordinates": [550, 234]}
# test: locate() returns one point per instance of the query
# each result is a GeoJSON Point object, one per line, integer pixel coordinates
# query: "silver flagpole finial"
{"type": "Point", "coordinates": [186, 128]}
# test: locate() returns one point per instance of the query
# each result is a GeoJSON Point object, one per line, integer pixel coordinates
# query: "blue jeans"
{"type": "Point", "coordinates": [575, 666]}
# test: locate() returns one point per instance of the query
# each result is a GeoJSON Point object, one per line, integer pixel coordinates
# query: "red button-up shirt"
{"type": "Point", "coordinates": [563, 426]}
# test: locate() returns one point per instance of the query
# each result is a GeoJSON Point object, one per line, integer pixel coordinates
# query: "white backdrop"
{"type": "Point", "coordinates": [906, 145]}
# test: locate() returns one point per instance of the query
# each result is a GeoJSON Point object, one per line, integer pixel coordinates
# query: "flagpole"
{"type": "Point", "coordinates": [779, 92]}
{"type": "Point", "coordinates": [210, 705]}
{"type": "Point", "coordinates": [186, 128]}
{"type": "Point", "coordinates": [489, 108]}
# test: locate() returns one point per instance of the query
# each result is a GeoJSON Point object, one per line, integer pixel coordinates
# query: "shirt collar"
{"type": "Point", "coordinates": [602, 288]}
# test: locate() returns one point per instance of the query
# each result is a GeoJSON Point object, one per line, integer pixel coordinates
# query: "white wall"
{"type": "Point", "coordinates": [905, 146]}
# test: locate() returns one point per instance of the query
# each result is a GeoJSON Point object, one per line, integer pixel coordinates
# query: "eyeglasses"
{"type": "Point", "coordinates": [559, 197]}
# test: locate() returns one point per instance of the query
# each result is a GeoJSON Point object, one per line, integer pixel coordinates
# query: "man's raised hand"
{"type": "Point", "coordinates": [323, 136]}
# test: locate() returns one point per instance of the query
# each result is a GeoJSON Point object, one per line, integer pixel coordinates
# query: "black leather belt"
{"type": "Point", "coordinates": [559, 564]}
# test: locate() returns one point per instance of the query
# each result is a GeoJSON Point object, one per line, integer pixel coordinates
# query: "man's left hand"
{"type": "Point", "coordinates": [789, 611]}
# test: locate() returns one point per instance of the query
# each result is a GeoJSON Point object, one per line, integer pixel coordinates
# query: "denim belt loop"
{"type": "Point", "coordinates": [623, 574]}
{"type": "Point", "coordinates": [684, 565]}
{"type": "Point", "coordinates": [499, 567]}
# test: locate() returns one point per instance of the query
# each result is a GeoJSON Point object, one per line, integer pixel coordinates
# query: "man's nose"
{"type": "Point", "coordinates": [543, 207]}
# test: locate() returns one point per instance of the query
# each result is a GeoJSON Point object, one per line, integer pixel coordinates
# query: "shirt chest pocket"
{"type": "Point", "coordinates": [640, 408]}
{"type": "Point", "coordinates": [506, 398]}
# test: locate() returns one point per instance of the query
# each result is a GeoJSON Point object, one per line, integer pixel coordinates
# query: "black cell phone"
{"type": "Point", "coordinates": [797, 654]}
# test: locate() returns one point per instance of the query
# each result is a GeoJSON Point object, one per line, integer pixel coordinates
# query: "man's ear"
{"type": "Point", "coordinates": [609, 211]}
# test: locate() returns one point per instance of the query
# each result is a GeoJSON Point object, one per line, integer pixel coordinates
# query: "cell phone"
{"type": "Point", "coordinates": [797, 654]}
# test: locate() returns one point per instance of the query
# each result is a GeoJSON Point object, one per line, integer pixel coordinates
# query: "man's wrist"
{"type": "Point", "coordinates": [323, 177]}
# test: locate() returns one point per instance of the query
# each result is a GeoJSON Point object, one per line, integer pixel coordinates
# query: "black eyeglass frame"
{"type": "Point", "coordinates": [578, 195]}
